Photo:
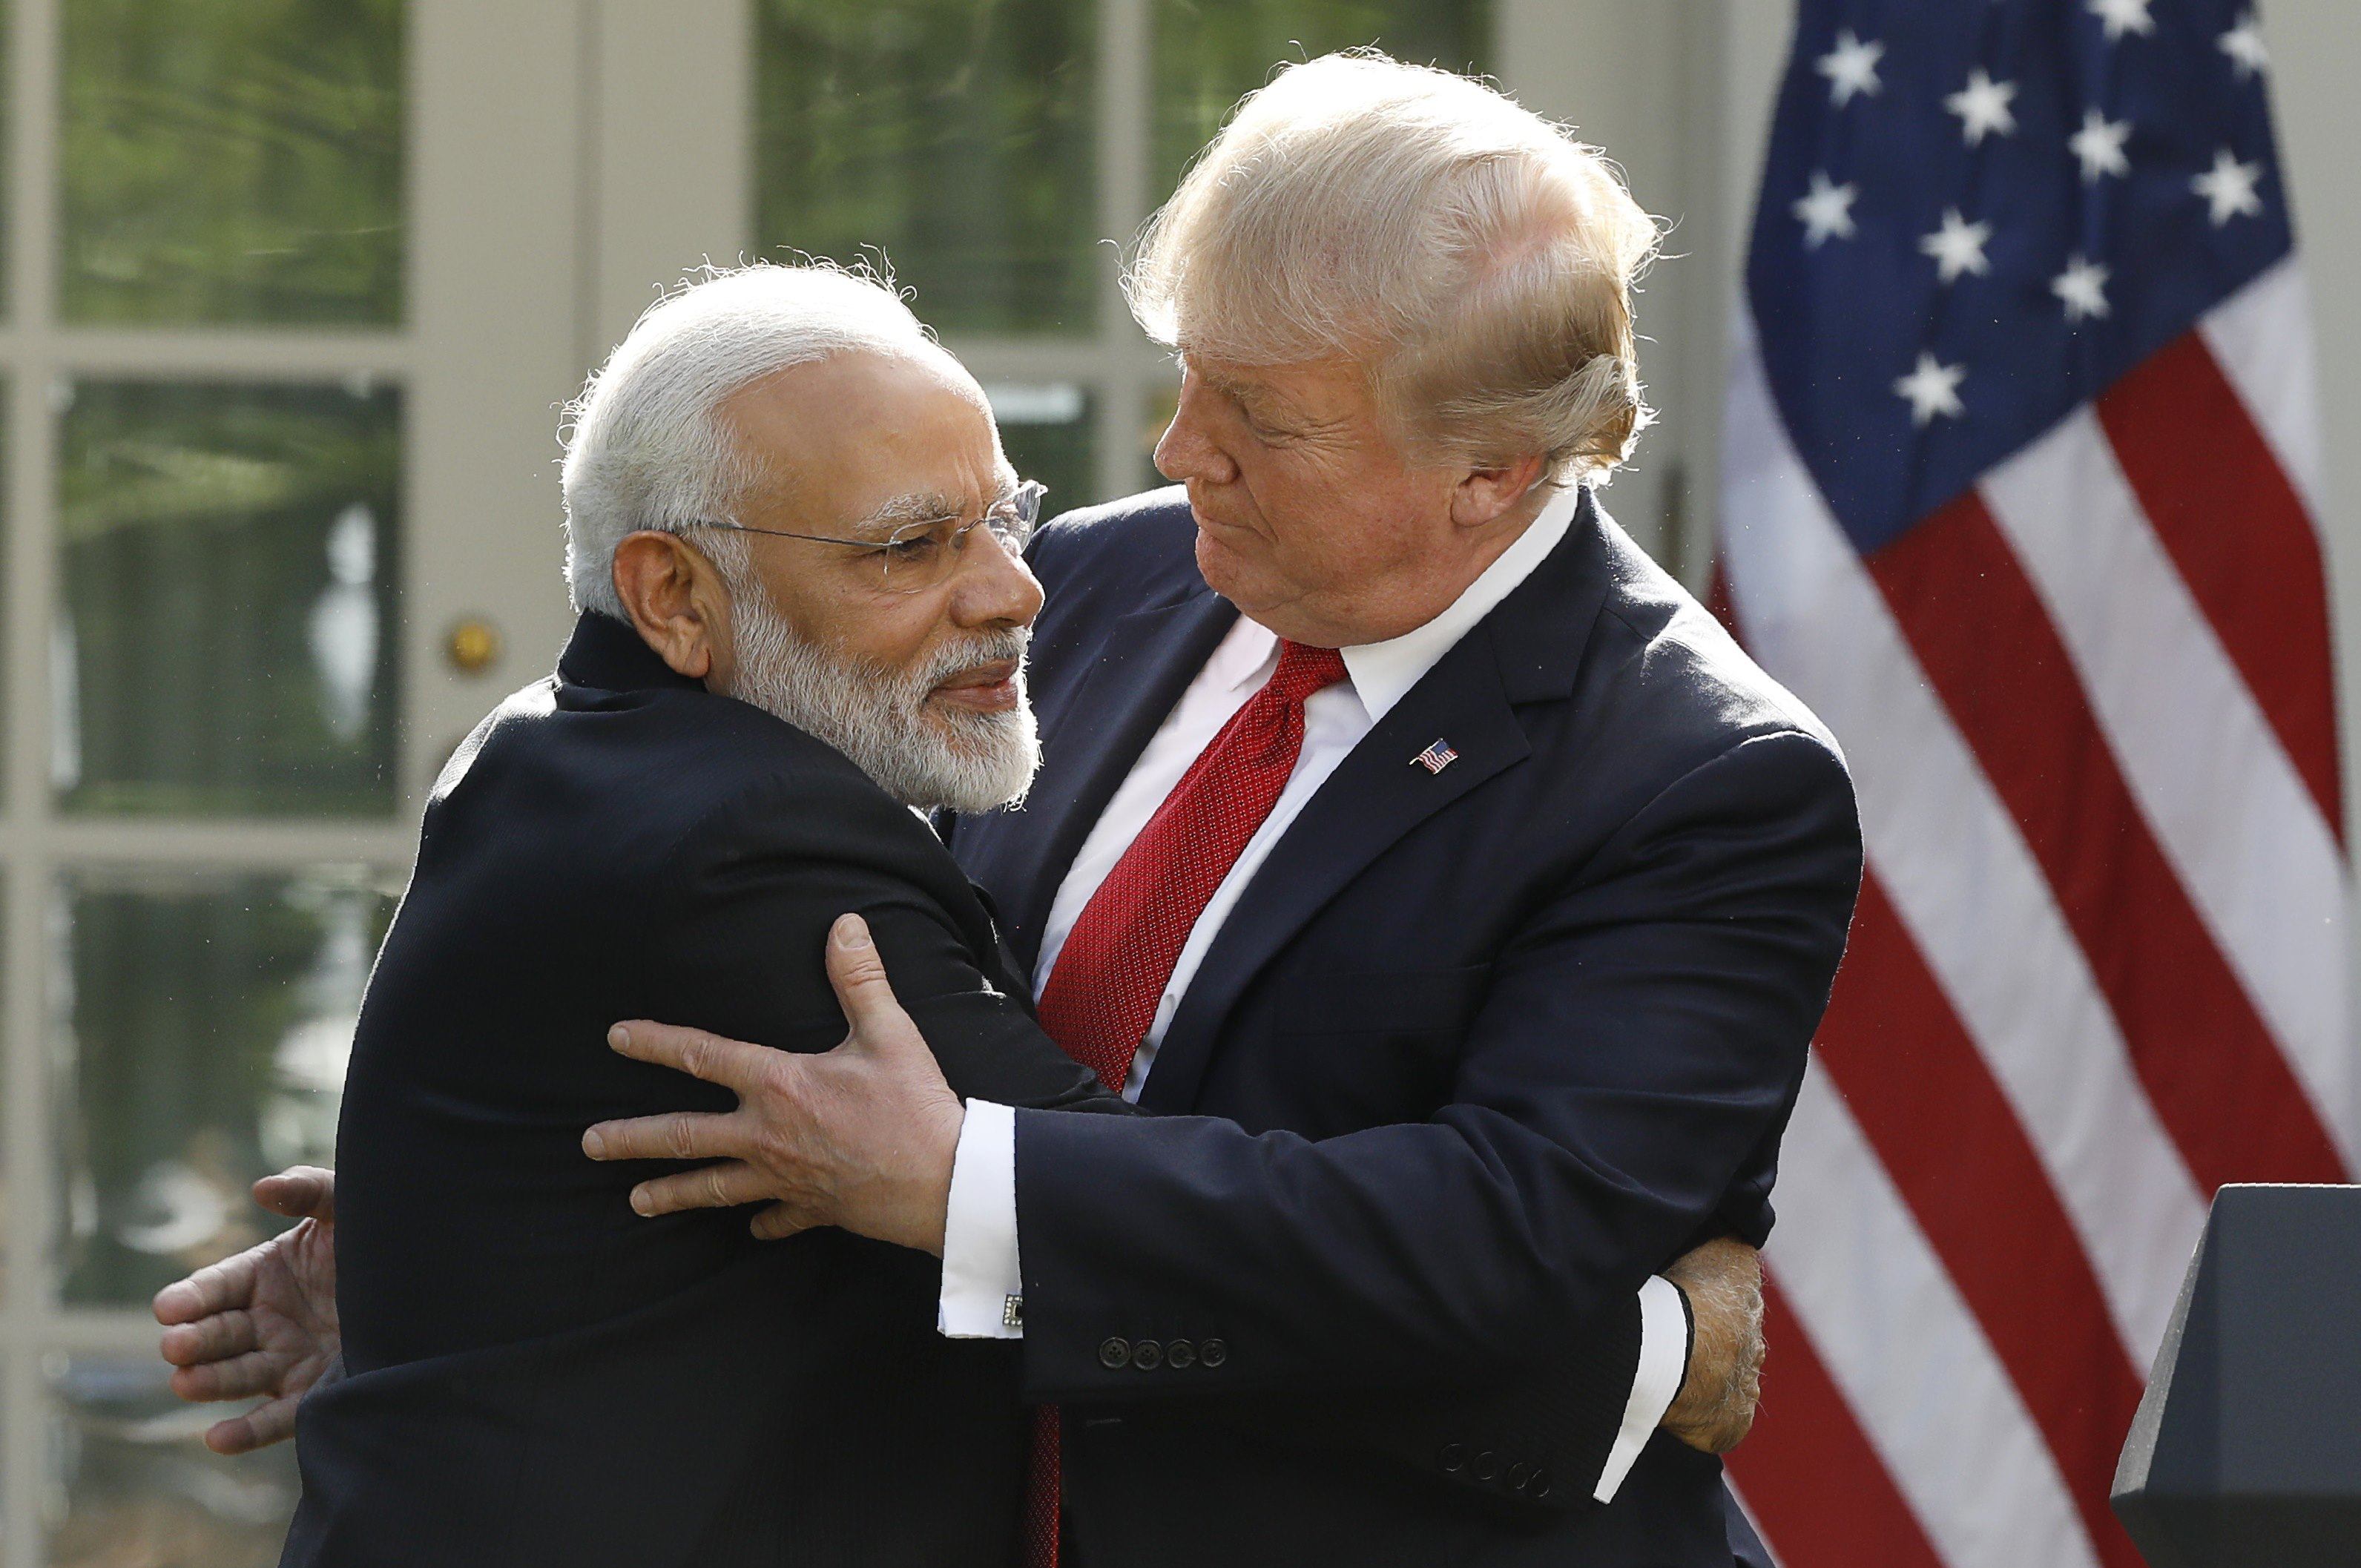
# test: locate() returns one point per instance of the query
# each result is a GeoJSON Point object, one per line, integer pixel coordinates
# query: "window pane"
{"type": "Point", "coordinates": [1211, 53]}
{"type": "Point", "coordinates": [203, 1021]}
{"type": "Point", "coordinates": [1047, 433]}
{"type": "Point", "coordinates": [131, 1482]}
{"type": "Point", "coordinates": [225, 628]}
{"type": "Point", "coordinates": [954, 134]}
{"type": "Point", "coordinates": [232, 163]}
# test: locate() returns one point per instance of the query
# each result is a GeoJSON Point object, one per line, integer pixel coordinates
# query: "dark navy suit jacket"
{"type": "Point", "coordinates": [540, 1379]}
{"type": "Point", "coordinates": [1477, 1051]}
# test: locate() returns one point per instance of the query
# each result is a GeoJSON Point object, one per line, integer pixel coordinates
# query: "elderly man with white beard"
{"type": "Point", "coordinates": [796, 544]}
{"type": "Point", "coordinates": [779, 491]}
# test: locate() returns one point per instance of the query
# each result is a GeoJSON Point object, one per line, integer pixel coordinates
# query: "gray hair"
{"type": "Point", "coordinates": [644, 445]}
{"type": "Point", "coordinates": [1474, 257]}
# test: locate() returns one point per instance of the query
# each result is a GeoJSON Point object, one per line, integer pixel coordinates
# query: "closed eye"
{"type": "Point", "coordinates": [918, 542]}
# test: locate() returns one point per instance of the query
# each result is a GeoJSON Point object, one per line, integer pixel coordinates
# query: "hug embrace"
{"type": "Point", "coordinates": [1248, 1025]}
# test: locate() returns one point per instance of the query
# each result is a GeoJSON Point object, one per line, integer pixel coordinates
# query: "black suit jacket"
{"type": "Point", "coordinates": [1476, 1052]}
{"type": "Point", "coordinates": [537, 1375]}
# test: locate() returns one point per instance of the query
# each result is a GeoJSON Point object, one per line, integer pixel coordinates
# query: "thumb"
{"type": "Point", "coordinates": [299, 1192]}
{"type": "Point", "coordinates": [858, 973]}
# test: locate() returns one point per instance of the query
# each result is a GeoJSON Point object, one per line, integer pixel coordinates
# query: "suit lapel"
{"type": "Point", "coordinates": [1378, 793]}
{"type": "Point", "coordinates": [1526, 651]}
{"type": "Point", "coordinates": [1148, 661]}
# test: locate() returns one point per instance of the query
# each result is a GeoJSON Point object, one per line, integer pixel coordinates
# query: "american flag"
{"type": "Point", "coordinates": [2021, 494]}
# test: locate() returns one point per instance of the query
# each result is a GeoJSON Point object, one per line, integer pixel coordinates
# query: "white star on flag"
{"type": "Point", "coordinates": [1957, 246]}
{"type": "Point", "coordinates": [1828, 209]}
{"type": "Point", "coordinates": [1982, 108]}
{"type": "Point", "coordinates": [2100, 144]}
{"type": "Point", "coordinates": [1851, 67]}
{"type": "Point", "coordinates": [2123, 16]}
{"type": "Point", "coordinates": [2229, 188]}
{"type": "Point", "coordinates": [2244, 45]}
{"type": "Point", "coordinates": [1932, 389]}
{"type": "Point", "coordinates": [2083, 287]}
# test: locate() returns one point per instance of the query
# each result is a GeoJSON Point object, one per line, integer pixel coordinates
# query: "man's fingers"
{"type": "Point", "coordinates": [214, 1338]}
{"type": "Point", "coordinates": [259, 1428]}
{"type": "Point", "coordinates": [723, 1186]}
{"type": "Point", "coordinates": [239, 1378]}
{"type": "Point", "coordinates": [734, 1064]}
{"type": "Point", "coordinates": [857, 974]}
{"type": "Point", "coordinates": [1724, 1260]}
{"type": "Point", "coordinates": [213, 1288]}
{"type": "Point", "coordinates": [299, 1192]}
{"type": "Point", "coordinates": [777, 1222]}
{"type": "Point", "coordinates": [676, 1135]}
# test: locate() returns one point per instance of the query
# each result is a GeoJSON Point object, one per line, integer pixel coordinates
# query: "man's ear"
{"type": "Point", "coordinates": [1484, 494]}
{"type": "Point", "coordinates": [675, 602]}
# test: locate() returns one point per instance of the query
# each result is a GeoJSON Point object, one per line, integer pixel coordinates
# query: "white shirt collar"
{"type": "Point", "coordinates": [1383, 673]}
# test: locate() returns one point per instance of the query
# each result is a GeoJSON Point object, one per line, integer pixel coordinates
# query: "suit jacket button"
{"type": "Point", "coordinates": [1539, 1483]}
{"type": "Point", "coordinates": [1213, 1353]}
{"type": "Point", "coordinates": [1454, 1457]}
{"type": "Point", "coordinates": [1519, 1474]}
{"type": "Point", "coordinates": [1114, 1355]}
{"type": "Point", "coordinates": [1487, 1466]}
{"type": "Point", "coordinates": [1147, 1355]}
{"type": "Point", "coordinates": [1179, 1352]}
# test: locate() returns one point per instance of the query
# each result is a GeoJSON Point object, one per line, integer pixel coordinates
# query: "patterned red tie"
{"type": "Point", "coordinates": [1110, 974]}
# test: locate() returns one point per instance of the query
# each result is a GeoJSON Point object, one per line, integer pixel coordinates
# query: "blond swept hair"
{"type": "Point", "coordinates": [1473, 257]}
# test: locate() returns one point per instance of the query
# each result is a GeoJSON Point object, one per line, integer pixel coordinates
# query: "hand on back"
{"type": "Point", "coordinates": [263, 1322]}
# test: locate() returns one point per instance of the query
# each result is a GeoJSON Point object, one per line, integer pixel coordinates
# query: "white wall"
{"type": "Point", "coordinates": [2315, 46]}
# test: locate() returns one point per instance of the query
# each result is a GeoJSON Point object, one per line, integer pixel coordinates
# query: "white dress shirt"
{"type": "Point", "coordinates": [983, 1285]}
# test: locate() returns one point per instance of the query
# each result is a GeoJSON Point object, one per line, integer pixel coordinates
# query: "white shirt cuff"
{"type": "Point", "coordinates": [983, 1294]}
{"type": "Point", "coordinates": [1664, 1365]}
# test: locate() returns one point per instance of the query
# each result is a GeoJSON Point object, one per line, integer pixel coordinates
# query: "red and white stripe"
{"type": "Point", "coordinates": [2099, 965]}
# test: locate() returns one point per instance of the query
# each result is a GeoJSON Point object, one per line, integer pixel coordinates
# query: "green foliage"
{"type": "Point", "coordinates": [184, 988]}
{"type": "Point", "coordinates": [955, 135]}
{"type": "Point", "coordinates": [1211, 53]}
{"type": "Point", "coordinates": [1059, 455]}
{"type": "Point", "coordinates": [233, 161]}
{"type": "Point", "coordinates": [194, 524]}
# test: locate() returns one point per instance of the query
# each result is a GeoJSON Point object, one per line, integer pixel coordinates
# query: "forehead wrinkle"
{"type": "Point", "coordinates": [1257, 398]}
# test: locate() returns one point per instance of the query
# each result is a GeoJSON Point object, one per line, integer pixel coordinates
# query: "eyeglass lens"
{"type": "Point", "coordinates": [923, 555]}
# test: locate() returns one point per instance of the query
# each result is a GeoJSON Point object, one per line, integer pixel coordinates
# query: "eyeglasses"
{"type": "Point", "coordinates": [923, 552]}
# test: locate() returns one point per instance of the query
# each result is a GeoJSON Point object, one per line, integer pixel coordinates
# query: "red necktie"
{"type": "Point", "coordinates": [1110, 974]}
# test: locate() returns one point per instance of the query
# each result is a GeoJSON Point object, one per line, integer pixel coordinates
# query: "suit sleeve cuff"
{"type": "Point", "coordinates": [982, 1291]}
{"type": "Point", "coordinates": [1664, 1367]}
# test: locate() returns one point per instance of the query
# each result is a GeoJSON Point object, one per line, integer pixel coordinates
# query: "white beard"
{"type": "Point", "coordinates": [879, 717]}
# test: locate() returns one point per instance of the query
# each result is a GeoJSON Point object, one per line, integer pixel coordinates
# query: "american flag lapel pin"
{"type": "Point", "coordinates": [1437, 757]}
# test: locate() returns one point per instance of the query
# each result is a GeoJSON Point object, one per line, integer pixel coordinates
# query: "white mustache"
{"type": "Point", "coordinates": [991, 648]}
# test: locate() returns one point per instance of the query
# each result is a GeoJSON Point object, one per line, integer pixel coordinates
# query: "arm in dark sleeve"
{"type": "Point", "coordinates": [1644, 1035]}
{"type": "Point", "coordinates": [762, 881]}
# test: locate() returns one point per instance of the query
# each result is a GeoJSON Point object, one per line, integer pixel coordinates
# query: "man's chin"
{"type": "Point", "coordinates": [983, 760]}
{"type": "Point", "coordinates": [1228, 572]}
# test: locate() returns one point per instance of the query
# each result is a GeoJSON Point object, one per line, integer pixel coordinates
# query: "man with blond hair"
{"type": "Point", "coordinates": [1458, 891]}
